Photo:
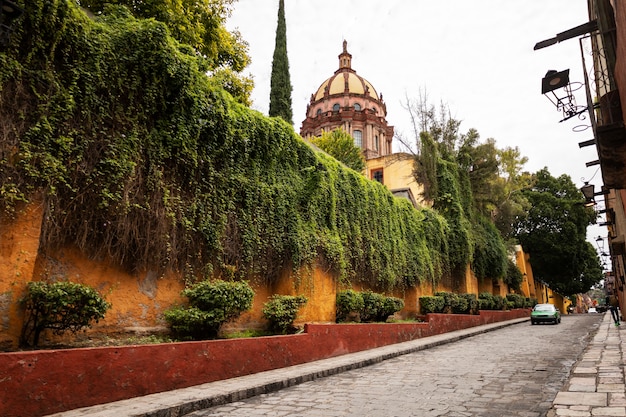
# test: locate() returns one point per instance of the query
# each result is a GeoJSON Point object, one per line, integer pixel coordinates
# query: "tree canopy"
{"type": "Point", "coordinates": [554, 234]}
{"type": "Point", "coordinates": [199, 24]}
{"type": "Point", "coordinates": [340, 145]}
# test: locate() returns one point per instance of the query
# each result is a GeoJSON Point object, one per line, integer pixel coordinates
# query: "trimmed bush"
{"type": "Point", "coordinates": [391, 305]}
{"type": "Point", "coordinates": [431, 304]}
{"type": "Point", "coordinates": [211, 304]}
{"type": "Point", "coordinates": [60, 307]}
{"type": "Point", "coordinates": [349, 305]}
{"type": "Point", "coordinates": [281, 311]}
{"type": "Point", "coordinates": [471, 303]}
{"type": "Point", "coordinates": [373, 304]}
{"type": "Point", "coordinates": [499, 302]}
{"type": "Point", "coordinates": [366, 306]}
{"type": "Point", "coordinates": [486, 301]}
{"type": "Point", "coordinates": [516, 300]}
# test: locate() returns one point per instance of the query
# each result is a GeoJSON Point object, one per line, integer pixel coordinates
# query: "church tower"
{"type": "Point", "coordinates": [348, 101]}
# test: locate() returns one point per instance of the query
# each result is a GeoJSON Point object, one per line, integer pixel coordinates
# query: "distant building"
{"type": "Point", "coordinates": [348, 101]}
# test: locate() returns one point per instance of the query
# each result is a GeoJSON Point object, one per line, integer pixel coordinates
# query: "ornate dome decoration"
{"type": "Point", "coordinates": [349, 101]}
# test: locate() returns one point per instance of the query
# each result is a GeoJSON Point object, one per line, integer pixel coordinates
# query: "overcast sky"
{"type": "Point", "coordinates": [475, 56]}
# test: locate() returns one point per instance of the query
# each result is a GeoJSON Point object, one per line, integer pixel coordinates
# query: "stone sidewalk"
{"type": "Point", "coordinates": [596, 384]}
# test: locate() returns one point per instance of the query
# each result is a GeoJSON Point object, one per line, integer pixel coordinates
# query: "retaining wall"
{"type": "Point", "coordinates": [36, 383]}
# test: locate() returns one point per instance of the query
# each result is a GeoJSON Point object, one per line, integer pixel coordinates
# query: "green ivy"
{"type": "Point", "coordinates": [143, 158]}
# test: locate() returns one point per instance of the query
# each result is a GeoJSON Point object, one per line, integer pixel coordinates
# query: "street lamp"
{"type": "Point", "coordinates": [588, 192]}
{"type": "Point", "coordinates": [9, 11]}
{"type": "Point", "coordinates": [558, 89]}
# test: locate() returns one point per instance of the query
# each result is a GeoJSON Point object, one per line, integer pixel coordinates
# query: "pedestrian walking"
{"type": "Point", "coordinates": [613, 304]}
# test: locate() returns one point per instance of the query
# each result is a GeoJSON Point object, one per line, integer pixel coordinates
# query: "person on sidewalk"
{"type": "Point", "coordinates": [613, 304]}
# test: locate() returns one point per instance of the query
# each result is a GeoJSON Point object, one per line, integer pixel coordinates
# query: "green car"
{"type": "Point", "coordinates": [545, 313]}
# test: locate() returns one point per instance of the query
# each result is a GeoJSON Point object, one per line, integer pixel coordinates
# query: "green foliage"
{"type": "Point", "coordinates": [472, 303]}
{"type": "Point", "coordinates": [142, 158]}
{"type": "Point", "coordinates": [490, 256]}
{"type": "Point", "coordinates": [280, 88]}
{"type": "Point", "coordinates": [488, 301]}
{"type": "Point", "coordinates": [349, 303]}
{"type": "Point", "coordinates": [432, 304]}
{"type": "Point", "coordinates": [211, 304]}
{"type": "Point", "coordinates": [340, 145]}
{"type": "Point", "coordinates": [366, 306]}
{"type": "Point", "coordinates": [513, 277]}
{"type": "Point", "coordinates": [198, 23]}
{"type": "Point", "coordinates": [516, 300]}
{"type": "Point", "coordinates": [59, 306]}
{"type": "Point", "coordinates": [281, 311]}
{"type": "Point", "coordinates": [554, 233]}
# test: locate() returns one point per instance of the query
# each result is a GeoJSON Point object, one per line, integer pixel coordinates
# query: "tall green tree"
{"type": "Point", "coordinates": [554, 234]}
{"type": "Point", "coordinates": [199, 24]}
{"type": "Point", "coordinates": [340, 145]}
{"type": "Point", "coordinates": [280, 92]}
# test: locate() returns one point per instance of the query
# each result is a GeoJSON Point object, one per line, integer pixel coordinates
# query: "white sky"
{"type": "Point", "coordinates": [475, 56]}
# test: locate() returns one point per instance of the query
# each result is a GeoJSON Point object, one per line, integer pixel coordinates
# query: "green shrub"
{"type": "Point", "coordinates": [59, 306]}
{"type": "Point", "coordinates": [486, 301]}
{"type": "Point", "coordinates": [349, 305]}
{"type": "Point", "coordinates": [530, 302]}
{"type": "Point", "coordinates": [431, 304]}
{"type": "Point", "coordinates": [391, 305]}
{"type": "Point", "coordinates": [373, 304]}
{"type": "Point", "coordinates": [281, 311]}
{"type": "Point", "coordinates": [366, 306]}
{"type": "Point", "coordinates": [211, 304]}
{"type": "Point", "coordinates": [472, 303]}
{"type": "Point", "coordinates": [516, 300]}
{"type": "Point", "coordinates": [499, 302]}
{"type": "Point", "coordinates": [451, 301]}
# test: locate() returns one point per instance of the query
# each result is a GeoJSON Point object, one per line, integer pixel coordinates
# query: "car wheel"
{"type": "Point", "coordinates": [532, 322]}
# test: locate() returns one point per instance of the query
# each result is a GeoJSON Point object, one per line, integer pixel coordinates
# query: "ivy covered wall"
{"type": "Point", "coordinates": [142, 158]}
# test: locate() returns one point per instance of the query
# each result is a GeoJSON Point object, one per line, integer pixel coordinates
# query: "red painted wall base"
{"type": "Point", "coordinates": [37, 383]}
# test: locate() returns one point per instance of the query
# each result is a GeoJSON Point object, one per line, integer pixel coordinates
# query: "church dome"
{"type": "Point", "coordinates": [338, 82]}
{"type": "Point", "coordinates": [350, 102]}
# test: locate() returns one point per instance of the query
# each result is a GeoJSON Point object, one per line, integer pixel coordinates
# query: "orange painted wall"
{"type": "Point", "coordinates": [19, 243]}
{"type": "Point", "coordinates": [138, 300]}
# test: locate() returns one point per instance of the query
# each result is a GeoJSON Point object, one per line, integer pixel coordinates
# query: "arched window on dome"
{"type": "Point", "coordinates": [336, 107]}
{"type": "Point", "coordinates": [357, 107]}
{"type": "Point", "coordinates": [319, 111]}
{"type": "Point", "coordinates": [358, 138]}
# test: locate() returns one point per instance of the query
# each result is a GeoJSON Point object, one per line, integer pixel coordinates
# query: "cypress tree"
{"type": "Point", "coordinates": [280, 92]}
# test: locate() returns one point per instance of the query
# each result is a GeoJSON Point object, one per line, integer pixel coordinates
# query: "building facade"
{"type": "Point", "coordinates": [350, 102]}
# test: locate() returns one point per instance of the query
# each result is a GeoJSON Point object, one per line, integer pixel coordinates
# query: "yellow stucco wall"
{"type": "Point", "coordinates": [139, 299]}
{"type": "Point", "coordinates": [397, 174]}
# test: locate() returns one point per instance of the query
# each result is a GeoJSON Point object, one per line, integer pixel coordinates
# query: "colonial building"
{"type": "Point", "coordinates": [348, 101]}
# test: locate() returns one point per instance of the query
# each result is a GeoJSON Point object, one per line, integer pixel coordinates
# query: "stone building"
{"type": "Point", "coordinates": [348, 101]}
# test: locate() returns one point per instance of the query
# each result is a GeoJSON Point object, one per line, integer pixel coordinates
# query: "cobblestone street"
{"type": "Point", "coordinates": [514, 371]}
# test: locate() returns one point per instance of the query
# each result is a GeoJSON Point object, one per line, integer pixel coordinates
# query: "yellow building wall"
{"type": "Point", "coordinates": [397, 174]}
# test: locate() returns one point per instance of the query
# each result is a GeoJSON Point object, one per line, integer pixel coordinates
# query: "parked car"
{"type": "Point", "coordinates": [592, 310]}
{"type": "Point", "coordinates": [545, 313]}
